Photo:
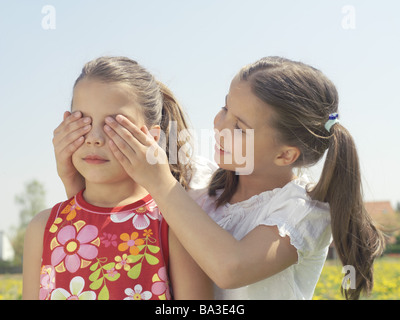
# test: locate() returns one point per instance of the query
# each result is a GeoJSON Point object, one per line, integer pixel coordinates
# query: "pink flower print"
{"type": "Point", "coordinates": [74, 247]}
{"type": "Point", "coordinates": [140, 216]}
{"type": "Point", "coordinates": [137, 294]}
{"type": "Point", "coordinates": [47, 282]}
{"type": "Point", "coordinates": [109, 239]}
{"type": "Point", "coordinates": [112, 273]}
{"type": "Point", "coordinates": [161, 286]}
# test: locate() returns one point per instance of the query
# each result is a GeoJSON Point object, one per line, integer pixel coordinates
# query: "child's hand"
{"type": "Point", "coordinates": [67, 138]}
{"type": "Point", "coordinates": [139, 154]}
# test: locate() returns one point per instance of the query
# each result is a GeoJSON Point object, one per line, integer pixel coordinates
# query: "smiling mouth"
{"type": "Point", "coordinates": [220, 149]}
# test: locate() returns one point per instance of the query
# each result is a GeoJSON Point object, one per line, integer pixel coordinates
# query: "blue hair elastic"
{"type": "Point", "coordinates": [333, 118]}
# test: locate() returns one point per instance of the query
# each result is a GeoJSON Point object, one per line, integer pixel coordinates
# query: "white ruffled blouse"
{"type": "Point", "coordinates": [296, 215]}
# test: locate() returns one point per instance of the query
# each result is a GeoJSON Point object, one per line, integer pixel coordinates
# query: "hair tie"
{"type": "Point", "coordinates": [333, 118]}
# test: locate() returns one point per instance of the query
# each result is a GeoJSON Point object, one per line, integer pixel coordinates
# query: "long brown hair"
{"type": "Point", "coordinates": [160, 107]}
{"type": "Point", "coordinates": [302, 98]}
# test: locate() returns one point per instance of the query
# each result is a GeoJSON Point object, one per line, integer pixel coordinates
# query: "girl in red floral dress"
{"type": "Point", "coordinates": [109, 240]}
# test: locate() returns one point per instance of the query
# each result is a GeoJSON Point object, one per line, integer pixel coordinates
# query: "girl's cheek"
{"type": "Point", "coordinates": [218, 120]}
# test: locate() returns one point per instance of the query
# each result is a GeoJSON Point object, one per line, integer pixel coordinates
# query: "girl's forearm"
{"type": "Point", "coordinates": [213, 248]}
{"type": "Point", "coordinates": [73, 185]}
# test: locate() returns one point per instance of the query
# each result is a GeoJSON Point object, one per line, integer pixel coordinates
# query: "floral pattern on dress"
{"type": "Point", "coordinates": [140, 216]}
{"type": "Point", "coordinates": [75, 291]}
{"type": "Point", "coordinates": [89, 256]}
{"type": "Point", "coordinates": [47, 282]}
{"type": "Point", "coordinates": [161, 284]}
{"type": "Point", "coordinates": [74, 247]}
{"type": "Point", "coordinates": [71, 209]}
{"type": "Point", "coordinates": [109, 239]}
{"type": "Point", "coordinates": [137, 294]}
{"type": "Point", "coordinates": [130, 242]}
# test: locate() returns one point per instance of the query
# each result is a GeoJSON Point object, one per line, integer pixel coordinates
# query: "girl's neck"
{"type": "Point", "coordinates": [251, 185]}
{"type": "Point", "coordinates": [113, 195]}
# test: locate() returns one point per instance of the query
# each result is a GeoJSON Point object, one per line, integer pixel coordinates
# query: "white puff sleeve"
{"type": "Point", "coordinates": [305, 221]}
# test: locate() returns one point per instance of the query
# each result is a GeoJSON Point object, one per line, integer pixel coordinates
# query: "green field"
{"type": "Point", "coordinates": [387, 282]}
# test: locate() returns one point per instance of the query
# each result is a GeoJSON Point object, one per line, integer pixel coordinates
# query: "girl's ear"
{"type": "Point", "coordinates": [155, 132]}
{"type": "Point", "coordinates": [287, 156]}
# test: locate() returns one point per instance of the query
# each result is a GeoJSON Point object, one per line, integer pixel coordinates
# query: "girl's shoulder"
{"type": "Point", "coordinates": [295, 214]}
{"type": "Point", "coordinates": [39, 221]}
{"type": "Point", "coordinates": [289, 208]}
{"type": "Point", "coordinates": [36, 227]}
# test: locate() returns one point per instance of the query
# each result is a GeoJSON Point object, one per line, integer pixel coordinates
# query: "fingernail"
{"type": "Point", "coordinates": [119, 118]}
{"type": "Point", "coordinates": [109, 120]}
{"type": "Point", "coordinates": [76, 114]}
{"type": "Point", "coordinates": [107, 128]}
{"type": "Point", "coordinates": [86, 120]}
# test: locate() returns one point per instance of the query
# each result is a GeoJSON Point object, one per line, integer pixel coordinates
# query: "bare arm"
{"type": "Point", "coordinates": [33, 248]}
{"type": "Point", "coordinates": [189, 282]}
{"type": "Point", "coordinates": [230, 263]}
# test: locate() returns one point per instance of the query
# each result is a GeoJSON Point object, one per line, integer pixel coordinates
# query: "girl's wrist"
{"type": "Point", "coordinates": [162, 186]}
{"type": "Point", "coordinates": [73, 184]}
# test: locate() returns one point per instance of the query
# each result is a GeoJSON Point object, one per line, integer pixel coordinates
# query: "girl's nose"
{"type": "Point", "coordinates": [95, 137]}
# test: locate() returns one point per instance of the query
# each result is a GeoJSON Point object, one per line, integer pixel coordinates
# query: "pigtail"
{"type": "Point", "coordinates": [173, 121]}
{"type": "Point", "coordinates": [226, 180]}
{"type": "Point", "coordinates": [357, 240]}
{"type": "Point", "coordinates": [303, 100]}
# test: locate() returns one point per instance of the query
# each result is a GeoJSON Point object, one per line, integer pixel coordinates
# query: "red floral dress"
{"type": "Point", "coordinates": [99, 253]}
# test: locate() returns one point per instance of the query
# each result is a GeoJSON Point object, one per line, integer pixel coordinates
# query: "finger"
{"type": "Point", "coordinates": [123, 160]}
{"type": "Point", "coordinates": [127, 134]}
{"type": "Point", "coordinates": [134, 130]}
{"type": "Point", "coordinates": [147, 132]}
{"type": "Point", "coordinates": [68, 118]}
{"type": "Point", "coordinates": [64, 138]}
{"type": "Point", "coordinates": [153, 135]}
{"type": "Point", "coordinates": [66, 115]}
{"type": "Point", "coordinates": [70, 148]}
{"type": "Point", "coordinates": [71, 122]}
{"type": "Point", "coordinates": [124, 141]}
{"type": "Point", "coordinates": [69, 136]}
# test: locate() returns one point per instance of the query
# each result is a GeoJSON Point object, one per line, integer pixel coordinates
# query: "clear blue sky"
{"type": "Point", "coordinates": [195, 47]}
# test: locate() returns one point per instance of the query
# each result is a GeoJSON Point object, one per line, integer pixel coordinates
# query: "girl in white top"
{"type": "Point", "coordinates": [304, 221]}
{"type": "Point", "coordinates": [272, 228]}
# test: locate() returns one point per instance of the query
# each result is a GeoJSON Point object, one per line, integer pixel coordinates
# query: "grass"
{"type": "Point", "coordinates": [386, 287]}
{"type": "Point", "coordinates": [386, 281]}
{"type": "Point", "coordinates": [10, 286]}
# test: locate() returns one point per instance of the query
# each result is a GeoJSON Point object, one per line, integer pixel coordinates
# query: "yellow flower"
{"type": "Point", "coordinates": [122, 262]}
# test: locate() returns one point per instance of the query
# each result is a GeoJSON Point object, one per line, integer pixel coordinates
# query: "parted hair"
{"type": "Point", "coordinates": [159, 105]}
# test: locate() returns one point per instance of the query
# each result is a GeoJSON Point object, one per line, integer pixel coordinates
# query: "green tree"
{"type": "Point", "coordinates": [31, 201]}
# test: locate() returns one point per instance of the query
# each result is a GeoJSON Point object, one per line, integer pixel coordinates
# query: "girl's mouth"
{"type": "Point", "coordinates": [95, 159]}
{"type": "Point", "coordinates": [220, 149]}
